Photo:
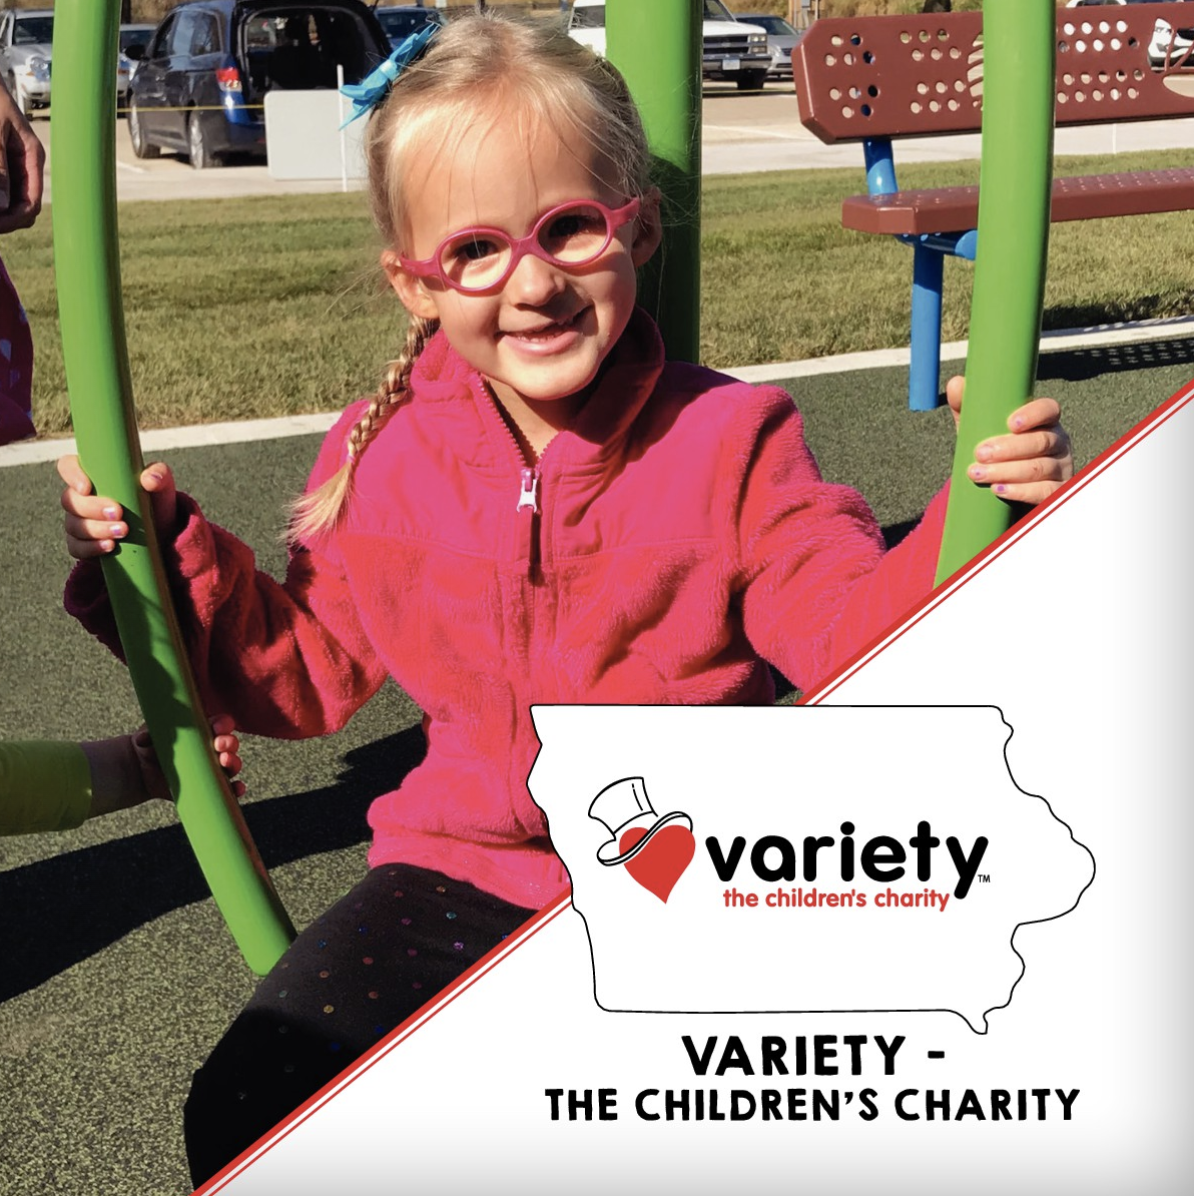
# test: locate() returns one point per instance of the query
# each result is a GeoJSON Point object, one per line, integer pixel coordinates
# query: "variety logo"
{"type": "Point", "coordinates": [656, 850]}
{"type": "Point", "coordinates": [816, 858]}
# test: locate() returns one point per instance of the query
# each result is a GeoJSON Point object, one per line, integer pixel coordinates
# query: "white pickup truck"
{"type": "Point", "coordinates": [730, 49]}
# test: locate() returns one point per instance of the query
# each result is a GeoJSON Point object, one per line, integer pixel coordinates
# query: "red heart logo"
{"type": "Point", "coordinates": [663, 861]}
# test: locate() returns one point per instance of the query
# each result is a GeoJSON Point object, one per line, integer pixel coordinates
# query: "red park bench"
{"type": "Point", "coordinates": [877, 79]}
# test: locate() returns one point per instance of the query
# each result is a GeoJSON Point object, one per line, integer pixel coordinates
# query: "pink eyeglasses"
{"type": "Point", "coordinates": [481, 259]}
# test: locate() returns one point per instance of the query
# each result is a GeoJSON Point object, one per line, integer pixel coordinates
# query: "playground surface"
{"type": "Point", "coordinates": [118, 974]}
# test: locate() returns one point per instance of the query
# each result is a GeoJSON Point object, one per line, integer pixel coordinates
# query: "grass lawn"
{"type": "Point", "coordinates": [271, 306]}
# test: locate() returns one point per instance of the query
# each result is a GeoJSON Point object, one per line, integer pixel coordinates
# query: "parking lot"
{"type": "Point", "coordinates": [740, 132]}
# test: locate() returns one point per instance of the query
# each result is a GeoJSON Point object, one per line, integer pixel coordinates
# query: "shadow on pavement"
{"type": "Point", "coordinates": [95, 896]}
{"type": "Point", "coordinates": [1084, 364]}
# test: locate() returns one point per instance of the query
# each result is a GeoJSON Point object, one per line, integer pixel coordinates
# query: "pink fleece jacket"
{"type": "Point", "coordinates": [665, 546]}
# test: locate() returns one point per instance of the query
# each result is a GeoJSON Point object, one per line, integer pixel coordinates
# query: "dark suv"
{"type": "Point", "coordinates": [199, 86]}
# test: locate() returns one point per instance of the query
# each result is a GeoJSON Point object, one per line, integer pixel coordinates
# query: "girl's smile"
{"type": "Point", "coordinates": [539, 337]}
{"type": "Point", "coordinates": [546, 338]}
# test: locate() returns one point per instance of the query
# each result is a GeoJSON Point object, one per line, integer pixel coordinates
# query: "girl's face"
{"type": "Point", "coordinates": [543, 334]}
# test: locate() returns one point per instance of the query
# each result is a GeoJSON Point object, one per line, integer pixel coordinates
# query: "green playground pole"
{"type": "Point", "coordinates": [657, 47]}
{"type": "Point", "coordinates": [87, 265]}
{"type": "Point", "coordinates": [1013, 236]}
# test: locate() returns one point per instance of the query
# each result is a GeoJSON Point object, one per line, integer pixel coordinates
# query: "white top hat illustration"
{"type": "Point", "coordinates": [623, 806]}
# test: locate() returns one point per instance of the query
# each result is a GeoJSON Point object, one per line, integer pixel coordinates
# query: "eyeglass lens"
{"type": "Point", "coordinates": [571, 237]}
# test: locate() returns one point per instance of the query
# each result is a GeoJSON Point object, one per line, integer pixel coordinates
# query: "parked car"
{"type": "Point", "coordinates": [729, 49]}
{"type": "Point", "coordinates": [201, 82]}
{"type": "Point", "coordinates": [399, 21]}
{"type": "Point", "coordinates": [1167, 44]}
{"type": "Point", "coordinates": [781, 40]}
{"type": "Point", "coordinates": [26, 36]}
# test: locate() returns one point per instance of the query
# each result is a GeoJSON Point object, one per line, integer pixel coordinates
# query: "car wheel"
{"type": "Point", "coordinates": [200, 154]}
{"type": "Point", "coordinates": [751, 80]}
{"type": "Point", "coordinates": [141, 147]}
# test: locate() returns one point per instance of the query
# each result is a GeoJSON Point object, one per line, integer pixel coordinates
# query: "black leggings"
{"type": "Point", "coordinates": [375, 957]}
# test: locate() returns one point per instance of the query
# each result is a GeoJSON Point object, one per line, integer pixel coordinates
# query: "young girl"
{"type": "Point", "coordinates": [535, 507]}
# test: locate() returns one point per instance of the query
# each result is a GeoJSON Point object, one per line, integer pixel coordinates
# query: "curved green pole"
{"type": "Point", "coordinates": [87, 266]}
{"type": "Point", "coordinates": [657, 47]}
{"type": "Point", "coordinates": [1019, 39]}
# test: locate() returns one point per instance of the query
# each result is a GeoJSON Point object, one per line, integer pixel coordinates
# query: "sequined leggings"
{"type": "Point", "coordinates": [361, 969]}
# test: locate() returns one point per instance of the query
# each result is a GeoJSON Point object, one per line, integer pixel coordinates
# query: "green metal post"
{"type": "Point", "coordinates": [87, 265]}
{"type": "Point", "coordinates": [657, 47]}
{"type": "Point", "coordinates": [1013, 235]}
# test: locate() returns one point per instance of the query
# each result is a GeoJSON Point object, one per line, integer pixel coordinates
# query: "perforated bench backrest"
{"type": "Point", "coordinates": [920, 75]}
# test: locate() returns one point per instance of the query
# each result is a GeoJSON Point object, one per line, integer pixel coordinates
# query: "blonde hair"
{"type": "Point", "coordinates": [481, 67]}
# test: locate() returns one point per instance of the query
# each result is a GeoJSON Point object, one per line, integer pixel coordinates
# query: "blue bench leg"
{"type": "Point", "coordinates": [928, 268]}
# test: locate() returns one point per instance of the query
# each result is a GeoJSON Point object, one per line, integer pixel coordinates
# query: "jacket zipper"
{"type": "Point", "coordinates": [528, 494]}
{"type": "Point", "coordinates": [527, 509]}
{"type": "Point", "coordinates": [528, 512]}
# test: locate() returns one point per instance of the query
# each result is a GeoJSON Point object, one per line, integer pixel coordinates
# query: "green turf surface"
{"type": "Point", "coordinates": [118, 976]}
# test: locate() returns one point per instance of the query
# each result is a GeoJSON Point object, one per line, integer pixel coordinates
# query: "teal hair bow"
{"type": "Point", "coordinates": [374, 88]}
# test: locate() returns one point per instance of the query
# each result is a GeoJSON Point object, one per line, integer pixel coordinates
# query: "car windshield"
{"type": "Point", "coordinates": [29, 31]}
{"type": "Point", "coordinates": [716, 11]}
{"type": "Point", "coordinates": [135, 37]}
{"type": "Point", "coordinates": [776, 25]}
{"type": "Point", "coordinates": [397, 25]}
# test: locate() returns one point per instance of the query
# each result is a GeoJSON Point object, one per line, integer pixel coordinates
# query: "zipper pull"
{"type": "Point", "coordinates": [528, 494]}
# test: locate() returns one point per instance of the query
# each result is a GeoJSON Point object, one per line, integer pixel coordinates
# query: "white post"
{"type": "Point", "coordinates": [343, 133]}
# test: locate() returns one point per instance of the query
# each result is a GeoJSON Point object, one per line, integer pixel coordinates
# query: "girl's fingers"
{"type": "Point", "coordinates": [86, 550]}
{"type": "Point", "coordinates": [1033, 469]}
{"type": "Point", "coordinates": [93, 524]}
{"type": "Point", "coordinates": [95, 529]}
{"type": "Point", "coordinates": [227, 747]}
{"type": "Point", "coordinates": [1023, 446]}
{"type": "Point", "coordinates": [90, 506]}
{"type": "Point", "coordinates": [71, 472]}
{"type": "Point", "coordinates": [230, 762]}
{"type": "Point", "coordinates": [158, 482]}
{"type": "Point", "coordinates": [953, 396]}
{"type": "Point", "coordinates": [1029, 493]}
{"type": "Point", "coordinates": [1036, 413]}
{"type": "Point", "coordinates": [1031, 481]}
{"type": "Point", "coordinates": [143, 743]}
{"type": "Point", "coordinates": [77, 499]}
